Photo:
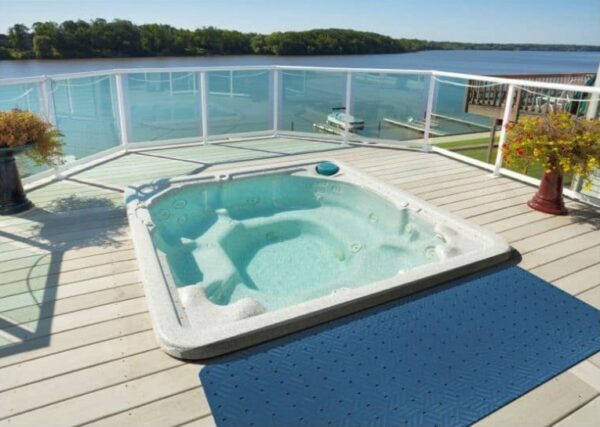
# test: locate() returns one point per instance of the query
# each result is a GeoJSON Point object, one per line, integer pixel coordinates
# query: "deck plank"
{"type": "Point", "coordinates": [544, 405]}
{"type": "Point", "coordinates": [586, 416]}
{"type": "Point", "coordinates": [111, 400]}
{"type": "Point", "coordinates": [184, 408]}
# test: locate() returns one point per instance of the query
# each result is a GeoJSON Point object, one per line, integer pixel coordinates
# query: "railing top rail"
{"type": "Point", "coordinates": [464, 76]}
{"type": "Point", "coordinates": [543, 75]}
{"type": "Point", "coordinates": [113, 71]}
{"type": "Point", "coordinates": [519, 82]}
{"type": "Point", "coordinates": [354, 70]}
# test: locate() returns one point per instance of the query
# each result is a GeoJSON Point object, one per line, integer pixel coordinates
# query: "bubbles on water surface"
{"type": "Point", "coordinates": [355, 247]}
{"type": "Point", "coordinates": [182, 219]}
{"type": "Point", "coordinates": [164, 214]}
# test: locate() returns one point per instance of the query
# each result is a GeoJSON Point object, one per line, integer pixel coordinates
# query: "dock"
{"type": "Point", "coordinates": [412, 126]}
{"type": "Point", "coordinates": [328, 129]}
{"type": "Point", "coordinates": [461, 121]}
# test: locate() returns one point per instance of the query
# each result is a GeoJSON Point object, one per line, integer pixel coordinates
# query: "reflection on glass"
{"type": "Point", "coordinates": [309, 98]}
{"type": "Point", "coordinates": [454, 115]}
{"type": "Point", "coordinates": [392, 105]}
{"type": "Point", "coordinates": [239, 101]}
{"type": "Point", "coordinates": [86, 113]}
{"type": "Point", "coordinates": [164, 106]}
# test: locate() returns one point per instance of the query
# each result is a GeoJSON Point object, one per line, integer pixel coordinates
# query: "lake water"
{"type": "Point", "coordinates": [467, 61]}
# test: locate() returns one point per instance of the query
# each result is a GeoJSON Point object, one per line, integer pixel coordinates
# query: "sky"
{"type": "Point", "coordinates": [501, 21]}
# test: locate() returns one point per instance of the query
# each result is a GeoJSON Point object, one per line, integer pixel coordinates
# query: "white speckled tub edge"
{"type": "Point", "coordinates": [178, 337]}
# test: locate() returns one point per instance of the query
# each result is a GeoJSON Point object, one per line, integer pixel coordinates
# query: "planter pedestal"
{"type": "Point", "coordinates": [548, 198]}
{"type": "Point", "coordinates": [12, 196]}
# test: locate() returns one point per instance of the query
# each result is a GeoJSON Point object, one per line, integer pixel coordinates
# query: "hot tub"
{"type": "Point", "coordinates": [237, 258]}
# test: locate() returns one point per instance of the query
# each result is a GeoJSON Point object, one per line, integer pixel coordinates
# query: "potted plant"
{"type": "Point", "coordinates": [561, 144]}
{"type": "Point", "coordinates": [27, 133]}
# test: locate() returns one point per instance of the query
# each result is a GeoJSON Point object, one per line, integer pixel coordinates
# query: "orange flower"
{"type": "Point", "coordinates": [18, 128]}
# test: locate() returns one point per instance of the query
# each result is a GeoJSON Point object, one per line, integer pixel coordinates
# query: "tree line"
{"type": "Point", "coordinates": [121, 38]}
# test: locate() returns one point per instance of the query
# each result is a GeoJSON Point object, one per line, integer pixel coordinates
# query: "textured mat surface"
{"type": "Point", "coordinates": [444, 357]}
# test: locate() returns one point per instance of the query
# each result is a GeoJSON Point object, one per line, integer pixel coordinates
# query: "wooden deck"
{"type": "Point", "coordinates": [76, 344]}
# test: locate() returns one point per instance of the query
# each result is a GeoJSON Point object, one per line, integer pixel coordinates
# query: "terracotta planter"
{"type": "Point", "coordinates": [12, 196]}
{"type": "Point", "coordinates": [549, 197]}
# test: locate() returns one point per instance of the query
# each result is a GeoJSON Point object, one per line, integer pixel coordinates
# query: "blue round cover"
{"type": "Point", "coordinates": [327, 168]}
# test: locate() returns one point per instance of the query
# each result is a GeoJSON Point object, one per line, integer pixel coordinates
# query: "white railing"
{"type": "Point", "coordinates": [275, 100]}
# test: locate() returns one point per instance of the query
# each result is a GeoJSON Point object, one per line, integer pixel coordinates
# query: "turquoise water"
{"type": "Point", "coordinates": [283, 239]}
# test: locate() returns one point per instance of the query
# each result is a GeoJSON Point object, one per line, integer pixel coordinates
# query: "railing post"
{"type": "Point", "coordinates": [47, 101]}
{"type": "Point", "coordinates": [428, 112]}
{"type": "Point", "coordinates": [47, 106]}
{"type": "Point", "coordinates": [275, 101]}
{"type": "Point", "coordinates": [505, 120]}
{"type": "Point", "coordinates": [592, 110]}
{"type": "Point", "coordinates": [203, 107]}
{"type": "Point", "coordinates": [347, 110]}
{"type": "Point", "coordinates": [122, 110]}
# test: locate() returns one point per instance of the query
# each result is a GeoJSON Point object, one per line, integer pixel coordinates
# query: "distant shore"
{"type": "Point", "coordinates": [123, 39]}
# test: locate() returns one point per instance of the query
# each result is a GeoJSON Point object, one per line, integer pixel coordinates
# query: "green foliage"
{"type": "Point", "coordinates": [42, 46]}
{"type": "Point", "coordinates": [120, 38]}
{"type": "Point", "coordinates": [17, 37]}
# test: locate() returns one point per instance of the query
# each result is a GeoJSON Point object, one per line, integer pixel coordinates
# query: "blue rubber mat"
{"type": "Point", "coordinates": [444, 357]}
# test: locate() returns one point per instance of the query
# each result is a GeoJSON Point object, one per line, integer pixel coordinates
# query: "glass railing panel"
{"type": "Point", "coordinates": [308, 98]}
{"type": "Point", "coordinates": [163, 106]}
{"type": "Point", "coordinates": [389, 106]}
{"type": "Point", "coordinates": [24, 97]}
{"type": "Point", "coordinates": [86, 113]}
{"type": "Point", "coordinates": [468, 114]}
{"type": "Point", "coordinates": [464, 114]}
{"type": "Point", "coordinates": [239, 101]}
{"type": "Point", "coordinates": [463, 107]}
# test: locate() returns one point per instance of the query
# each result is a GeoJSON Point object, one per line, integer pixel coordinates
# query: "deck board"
{"type": "Point", "coordinates": [76, 344]}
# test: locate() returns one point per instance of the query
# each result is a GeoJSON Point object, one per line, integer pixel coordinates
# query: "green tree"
{"type": "Point", "coordinates": [42, 46]}
{"type": "Point", "coordinates": [100, 38]}
{"type": "Point", "coordinates": [17, 36]}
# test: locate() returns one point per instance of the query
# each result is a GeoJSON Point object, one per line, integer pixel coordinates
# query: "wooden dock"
{"type": "Point", "coordinates": [323, 127]}
{"type": "Point", "coordinates": [461, 121]}
{"type": "Point", "coordinates": [413, 126]}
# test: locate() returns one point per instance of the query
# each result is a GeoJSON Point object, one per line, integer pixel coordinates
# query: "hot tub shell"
{"type": "Point", "coordinates": [209, 330]}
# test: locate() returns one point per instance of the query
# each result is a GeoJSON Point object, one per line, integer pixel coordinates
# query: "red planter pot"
{"type": "Point", "coordinates": [549, 197]}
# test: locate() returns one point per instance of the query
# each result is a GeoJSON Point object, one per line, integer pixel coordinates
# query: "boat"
{"type": "Point", "coordinates": [338, 119]}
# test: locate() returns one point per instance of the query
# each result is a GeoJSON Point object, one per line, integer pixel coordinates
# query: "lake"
{"type": "Point", "coordinates": [467, 61]}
